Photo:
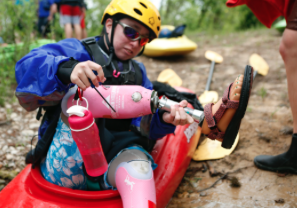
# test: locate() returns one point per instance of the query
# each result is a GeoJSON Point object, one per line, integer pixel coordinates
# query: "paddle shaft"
{"type": "Point", "coordinates": [210, 75]}
{"type": "Point", "coordinates": [255, 74]}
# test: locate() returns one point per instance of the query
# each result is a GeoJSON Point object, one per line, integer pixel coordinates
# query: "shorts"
{"type": "Point", "coordinates": [63, 163]}
{"type": "Point", "coordinates": [292, 15]}
{"type": "Point", "coordinates": [70, 15]}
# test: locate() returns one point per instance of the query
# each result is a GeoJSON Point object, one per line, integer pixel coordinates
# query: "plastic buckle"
{"type": "Point", "coordinates": [89, 40]}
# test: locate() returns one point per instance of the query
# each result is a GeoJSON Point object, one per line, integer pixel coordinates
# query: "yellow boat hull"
{"type": "Point", "coordinates": [169, 47]}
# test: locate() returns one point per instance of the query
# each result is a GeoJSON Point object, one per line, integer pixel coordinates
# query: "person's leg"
{"type": "Point", "coordinates": [286, 162]}
{"type": "Point", "coordinates": [75, 20]}
{"type": "Point", "coordinates": [288, 51]}
{"type": "Point", "coordinates": [63, 163]}
{"type": "Point", "coordinates": [77, 31]}
{"type": "Point", "coordinates": [68, 30]}
{"type": "Point", "coordinates": [65, 20]}
{"type": "Point", "coordinates": [131, 173]}
{"type": "Point", "coordinates": [84, 33]}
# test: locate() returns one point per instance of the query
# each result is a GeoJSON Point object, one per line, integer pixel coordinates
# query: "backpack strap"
{"type": "Point", "coordinates": [138, 74]}
{"type": "Point", "coordinates": [95, 53]}
{"type": "Point", "coordinates": [52, 116]}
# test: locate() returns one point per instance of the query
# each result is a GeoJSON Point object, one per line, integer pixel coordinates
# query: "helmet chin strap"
{"type": "Point", "coordinates": [110, 44]}
{"type": "Point", "coordinates": [141, 52]}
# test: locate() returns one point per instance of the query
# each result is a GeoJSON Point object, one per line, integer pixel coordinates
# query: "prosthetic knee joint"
{"type": "Point", "coordinates": [136, 185]}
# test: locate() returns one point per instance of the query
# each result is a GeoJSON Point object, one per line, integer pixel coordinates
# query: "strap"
{"type": "Point", "coordinates": [39, 114]}
{"type": "Point", "coordinates": [226, 103]}
{"type": "Point", "coordinates": [132, 77]}
{"type": "Point", "coordinates": [93, 49]}
{"type": "Point", "coordinates": [96, 54]}
{"type": "Point", "coordinates": [216, 134]}
{"type": "Point", "coordinates": [212, 120]}
{"type": "Point", "coordinates": [138, 74]}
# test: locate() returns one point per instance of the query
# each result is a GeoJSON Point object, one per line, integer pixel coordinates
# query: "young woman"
{"type": "Point", "coordinates": [46, 74]}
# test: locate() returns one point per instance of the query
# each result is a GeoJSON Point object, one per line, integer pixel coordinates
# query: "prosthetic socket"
{"type": "Point", "coordinates": [129, 101]}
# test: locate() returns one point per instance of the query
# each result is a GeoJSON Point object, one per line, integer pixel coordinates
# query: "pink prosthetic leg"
{"type": "Point", "coordinates": [135, 182]}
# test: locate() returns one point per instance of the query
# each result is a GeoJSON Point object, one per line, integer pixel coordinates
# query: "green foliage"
{"type": "Point", "coordinates": [207, 15]}
{"type": "Point", "coordinates": [93, 17]}
{"type": "Point", "coordinates": [262, 92]}
{"type": "Point", "coordinates": [16, 25]}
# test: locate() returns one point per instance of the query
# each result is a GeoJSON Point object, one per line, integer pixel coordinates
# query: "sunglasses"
{"type": "Point", "coordinates": [133, 35]}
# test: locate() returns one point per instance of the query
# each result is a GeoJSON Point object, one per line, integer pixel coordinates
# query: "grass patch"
{"type": "Point", "coordinates": [262, 93]}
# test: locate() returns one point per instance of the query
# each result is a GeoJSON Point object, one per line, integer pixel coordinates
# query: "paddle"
{"type": "Point", "coordinates": [170, 77]}
{"type": "Point", "coordinates": [259, 64]}
{"type": "Point", "coordinates": [210, 96]}
{"type": "Point", "coordinates": [209, 149]}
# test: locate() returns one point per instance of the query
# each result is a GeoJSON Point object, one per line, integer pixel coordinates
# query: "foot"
{"type": "Point", "coordinates": [285, 162]}
{"type": "Point", "coordinates": [234, 95]}
{"type": "Point", "coordinates": [278, 163]}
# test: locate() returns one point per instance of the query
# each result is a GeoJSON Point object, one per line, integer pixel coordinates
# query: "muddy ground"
{"type": "Point", "coordinates": [266, 128]}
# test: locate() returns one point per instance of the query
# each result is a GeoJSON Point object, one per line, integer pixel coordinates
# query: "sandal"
{"type": "Point", "coordinates": [228, 137]}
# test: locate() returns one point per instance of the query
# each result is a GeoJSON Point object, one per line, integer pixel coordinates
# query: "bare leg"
{"type": "Point", "coordinates": [77, 31]}
{"type": "Point", "coordinates": [288, 51]}
{"type": "Point", "coordinates": [286, 162]}
{"type": "Point", "coordinates": [68, 30]}
{"type": "Point", "coordinates": [84, 33]}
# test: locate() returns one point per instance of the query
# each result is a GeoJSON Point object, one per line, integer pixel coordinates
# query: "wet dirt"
{"type": "Point", "coordinates": [265, 129]}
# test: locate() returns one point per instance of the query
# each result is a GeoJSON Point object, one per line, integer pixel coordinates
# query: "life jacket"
{"type": "Point", "coordinates": [131, 75]}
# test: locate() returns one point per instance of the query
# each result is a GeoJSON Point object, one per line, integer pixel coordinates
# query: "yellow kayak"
{"type": "Point", "coordinates": [169, 46]}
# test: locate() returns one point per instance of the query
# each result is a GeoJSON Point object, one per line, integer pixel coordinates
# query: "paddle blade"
{"type": "Point", "coordinates": [259, 64]}
{"type": "Point", "coordinates": [170, 77]}
{"type": "Point", "coordinates": [213, 56]}
{"type": "Point", "coordinates": [208, 97]}
{"type": "Point", "coordinates": [212, 150]}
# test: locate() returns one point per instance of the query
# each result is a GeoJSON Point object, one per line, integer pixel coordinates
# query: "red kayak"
{"type": "Point", "coordinates": [173, 154]}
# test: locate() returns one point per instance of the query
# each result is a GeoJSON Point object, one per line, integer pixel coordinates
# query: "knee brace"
{"type": "Point", "coordinates": [135, 183]}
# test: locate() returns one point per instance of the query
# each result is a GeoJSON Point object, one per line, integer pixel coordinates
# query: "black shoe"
{"type": "Point", "coordinates": [279, 163]}
{"type": "Point", "coordinates": [285, 162]}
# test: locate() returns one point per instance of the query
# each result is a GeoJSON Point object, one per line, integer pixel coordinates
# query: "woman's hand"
{"type": "Point", "coordinates": [83, 71]}
{"type": "Point", "coordinates": [177, 115]}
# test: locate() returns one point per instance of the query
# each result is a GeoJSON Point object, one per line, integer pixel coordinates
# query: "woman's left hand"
{"type": "Point", "coordinates": [177, 115]}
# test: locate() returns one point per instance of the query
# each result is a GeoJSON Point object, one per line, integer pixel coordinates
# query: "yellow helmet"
{"type": "Point", "coordinates": [142, 10]}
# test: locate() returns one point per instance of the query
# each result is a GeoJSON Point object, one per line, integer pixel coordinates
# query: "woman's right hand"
{"type": "Point", "coordinates": [83, 71]}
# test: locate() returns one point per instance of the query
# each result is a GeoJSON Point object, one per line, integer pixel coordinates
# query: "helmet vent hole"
{"type": "Point", "coordinates": [138, 12]}
{"type": "Point", "coordinates": [142, 4]}
{"type": "Point", "coordinates": [158, 28]}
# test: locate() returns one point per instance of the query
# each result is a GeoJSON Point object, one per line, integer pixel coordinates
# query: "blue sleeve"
{"type": "Point", "coordinates": [156, 129]}
{"type": "Point", "coordinates": [36, 73]}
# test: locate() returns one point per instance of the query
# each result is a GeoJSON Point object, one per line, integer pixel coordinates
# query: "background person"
{"type": "Point", "coordinates": [46, 11]}
{"type": "Point", "coordinates": [84, 32]}
{"type": "Point", "coordinates": [70, 16]}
